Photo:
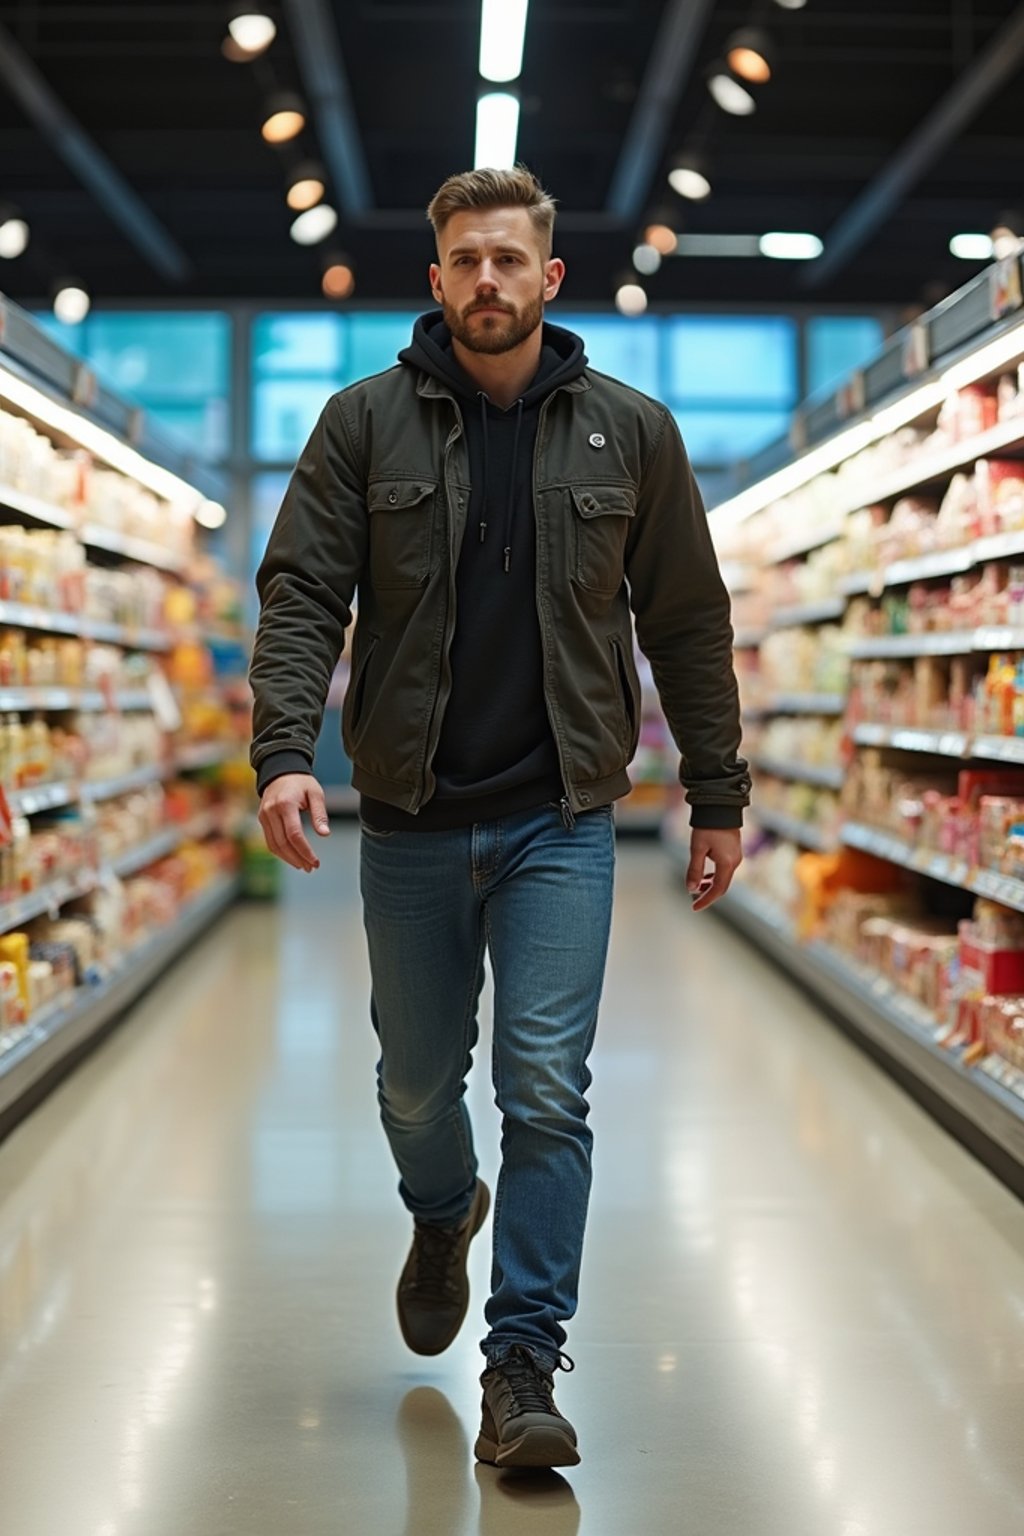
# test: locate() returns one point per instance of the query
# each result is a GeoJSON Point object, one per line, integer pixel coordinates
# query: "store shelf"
{"type": "Point", "coordinates": [809, 613]}
{"type": "Point", "coordinates": [938, 866]}
{"type": "Point", "coordinates": [40, 1048]}
{"type": "Point", "coordinates": [892, 1023]}
{"type": "Point", "coordinates": [140, 550]}
{"type": "Point", "coordinates": [805, 543]}
{"type": "Point", "coordinates": [825, 776]}
{"type": "Point", "coordinates": [953, 643]}
{"type": "Point", "coordinates": [49, 898]}
{"type": "Point", "coordinates": [749, 639]}
{"type": "Point", "coordinates": [159, 847]}
{"type": "Point", "coordinates": [48, 797]}
{"type": "Point", "coordinates": [207, 754]}
{"type": "Point", "coordinates": [109, 789]}
{"type": "Point", "coordinates": [941, 562]}
{"type": "Point", "coordinates": [40, 511]}
{"type": "Point", "coordinates": [43, 797]}
{"type": "Point", "coordinates": [60, 699]}
{"type": "Point", "coordinates": [804, 833]}
{"type": "Point", "coordinates": [25, 616]}
{"type": "Point", "coordinates": [999, 749]}
{"type": "Point", "coordinates": [805, 704]}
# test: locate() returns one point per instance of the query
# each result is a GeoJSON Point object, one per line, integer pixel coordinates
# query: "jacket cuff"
{"type": "Point", "coordinates": [277, 765]}
{"type": "Point", "coordinates": [716, 818]}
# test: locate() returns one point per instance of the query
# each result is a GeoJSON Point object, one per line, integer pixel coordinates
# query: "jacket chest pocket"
{"type": "Point", "coordinates": [401, 528]}
{"type": "Point", "coordinates": [601, 523]}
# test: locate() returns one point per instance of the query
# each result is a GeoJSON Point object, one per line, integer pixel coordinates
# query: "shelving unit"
{"type": "Point", "coordinates": [983, 1100]}
{"type": "Point", "coordinates": [41, 383]}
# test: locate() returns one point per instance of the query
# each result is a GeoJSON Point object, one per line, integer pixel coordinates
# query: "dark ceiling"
{"type": "Point", "coordinates": [898, 120]}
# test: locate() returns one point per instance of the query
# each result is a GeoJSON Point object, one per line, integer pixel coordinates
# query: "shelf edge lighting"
{"type": "Point", "coordinates": [1004, 349]}
{"type": "Point", "coordinates": [502, 35]}
{"type": "Point", "coordinates": [97, 440]}
{"type": "Point", "coordinates": [497, 131]}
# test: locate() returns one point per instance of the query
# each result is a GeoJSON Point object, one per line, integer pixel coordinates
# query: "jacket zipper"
{"type": "Point", "coordinates": [565, 804]}
{"type": "Point", "coordinates": [437, 712]}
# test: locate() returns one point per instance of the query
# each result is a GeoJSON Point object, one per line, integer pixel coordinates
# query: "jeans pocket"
{"type": "Point", "coordinates": [374, 833]}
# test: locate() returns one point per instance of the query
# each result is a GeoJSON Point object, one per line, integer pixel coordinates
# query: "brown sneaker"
{"type": "Point", "coordinates": [433, 1292]}
{"type": "Point", "coordinates": [521, 1427]}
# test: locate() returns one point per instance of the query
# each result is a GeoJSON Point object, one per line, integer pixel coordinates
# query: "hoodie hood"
{"type": "Point", "coordinates": [561, 359]}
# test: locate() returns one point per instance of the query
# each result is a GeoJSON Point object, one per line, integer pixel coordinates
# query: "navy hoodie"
{"type": "Point", "coordinates": [496, 754]}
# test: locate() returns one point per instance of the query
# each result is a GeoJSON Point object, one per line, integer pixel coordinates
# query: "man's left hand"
{"type": "Point", "coordinates": [724, 848]}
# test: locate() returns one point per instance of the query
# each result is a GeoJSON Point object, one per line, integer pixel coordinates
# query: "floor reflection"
{"type": "Point", "coordinates": [439, 1470]}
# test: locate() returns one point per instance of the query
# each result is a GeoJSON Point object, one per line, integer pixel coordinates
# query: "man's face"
{"type": "Point", "coordinates": [493, 281]}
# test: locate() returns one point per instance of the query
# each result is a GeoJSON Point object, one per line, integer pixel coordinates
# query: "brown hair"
{"type": "Point", "coordinates": [518, 188]}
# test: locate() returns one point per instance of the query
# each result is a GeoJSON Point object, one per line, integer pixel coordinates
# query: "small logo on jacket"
{"type": "Point", "coordinates": [597, 439]}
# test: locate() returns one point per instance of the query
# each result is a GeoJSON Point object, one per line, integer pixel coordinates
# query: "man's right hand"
{"type": "Point", "coordinates": [281, 808]}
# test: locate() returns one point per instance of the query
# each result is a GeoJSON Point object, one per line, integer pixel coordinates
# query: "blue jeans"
{"type": "Point", "coordinates": [538, 898]}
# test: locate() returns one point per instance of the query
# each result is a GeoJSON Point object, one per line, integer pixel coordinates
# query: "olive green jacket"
{"type": "Point", "coordinates": [377, 506]}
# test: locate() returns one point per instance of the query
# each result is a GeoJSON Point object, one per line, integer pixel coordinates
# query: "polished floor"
{"type": "Point", "coordinates": [802, 1310]}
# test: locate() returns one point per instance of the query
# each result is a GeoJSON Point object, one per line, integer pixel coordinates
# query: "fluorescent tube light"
{"type": "Point", "coordinates": [502, 33]}
{"type": "Point", "coordinates": [718, 245]}
{"type": "Point", "coordinates": [497, 130]}
{"type": "Point", "coordinates": [971, 247]}
{"type": "Point", "coordinates": [790, 247]}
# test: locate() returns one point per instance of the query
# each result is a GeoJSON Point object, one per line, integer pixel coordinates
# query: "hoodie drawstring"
{"type": "Point", "coordinates": [510, 508]}
{"type": "Point", "coordinates": [511, 494]}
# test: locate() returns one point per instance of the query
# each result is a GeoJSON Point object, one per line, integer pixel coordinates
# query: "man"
{"type": "Point", "coordinates": [498, 507]}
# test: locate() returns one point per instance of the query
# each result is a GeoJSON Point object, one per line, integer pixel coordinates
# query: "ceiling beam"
{"type": "Point", "coordinates": [990, 69]}
{"type": "Point", "coordinates": [94, 170]}
{"type": "Point", "coordinates": [668, 70]}
{"type": "Point", "coordinates": [318, 50]}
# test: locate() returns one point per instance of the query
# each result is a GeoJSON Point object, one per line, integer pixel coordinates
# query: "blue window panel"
{"type": "Point", "coordinates": [202, 428]}
{"type": "Point", "coordinates": [297, 345]}
{"type": "Point", "coordinates": [748, 358]}
{"type": "Point", "coordinates": [374, 342]}
{"type": "Point", "coordinates": [838, 344]}
{"type": "Point", "coordinates": [723, 436]}
{"type": "Point", "coordinates": [285, 411]}
{"type": "Point", "coordinates": [171, 355]}
{"type": "Point", "coordinates": [627, 349]}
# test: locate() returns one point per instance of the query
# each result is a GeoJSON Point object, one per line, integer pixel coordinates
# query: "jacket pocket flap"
{"type": "Point", "coordinates": [398, 495]}
{"type": "Point", "coordinates": [602, 500]}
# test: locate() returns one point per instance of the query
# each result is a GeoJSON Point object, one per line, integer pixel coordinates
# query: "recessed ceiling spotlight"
{"type": "Point", "coordinates": [689, 180]}
{"type": "Point", "coordinates": [314, 225]}
{"type": "Point", "coordinates": [14, 235]}
{"type": "Point", "coordinates": [71, 302]}
{"type": "Point", "coordinates": [285, 118]}
{"type": "Point", "coordinates": [749, 54]}
{"type": "Point", "coordinates": [339, 279]}
{"type": "Point", "coordinates": [646, 259]}
{"type": "Point", "coordinates": [662, 237]}
{"type": "Point", "coordinates": [791, 5]}
{"type": "Point", "coordinates": [307, 186]}
{"type": "Point", "coordinates": [729, 94]}
{"type": "Point", "coordinates": [630, 299]}
{"type": "Point", "coordinates": [252, 30]}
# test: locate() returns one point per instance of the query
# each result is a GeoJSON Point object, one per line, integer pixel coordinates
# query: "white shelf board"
{"type": "Point", "coordinates": [805, 704]}
{"type": "Point", "coordinates": [809, 613]}
{"type": "Point", "coordinates": [804, 833]}
{"type": "Point", "coordinates": [938, 866]}
{"type": "Point", "coordinates": [826, 776]}
{"type": "Point", "coordinates": [999, 749]}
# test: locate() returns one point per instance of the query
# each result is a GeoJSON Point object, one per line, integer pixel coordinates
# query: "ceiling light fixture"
{"type": "Point", "coordinates": [252, 30]}
{"type": "Point", "coordinates": [729, 94]}
{"type": "Point", "coordinates": [285, 118]}
{"type": "Point", "coordinates": [791, 5]}
{"type": "Point", "coordinates": [339, 279]}
{"type": "Point", "coordinates": [780, 246]}
{"type": "Point", "coordinates": [630, 299]}
{"type": "Point", "coordinates": [662, 238]}
{"type": "Point", "coordinates": [307, 186]}
{"type": "Point", "coordinates": [14, 235]}
{"type": "Point", "coordinates": [502, 34]}
{"type": "Point", "coordinates": [730, 246]}
{"type": "Point", "coordinates": [750, 55]}
{"type": "Point", "coordinates": [497, 131]}
{"type": "Point", "coordinates": [646, 259]}
{"type": "Point", "coordinates": [689, 181]}
{"type": "Point", "coordinates": [71, 302]}
{"type": "Point", "coordinates": [971, 247]}
{"type": "Point", "coordinates": [314, 225]}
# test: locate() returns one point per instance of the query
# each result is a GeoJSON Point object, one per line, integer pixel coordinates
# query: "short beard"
{"type": "Point", "coordinates": [506, 334]}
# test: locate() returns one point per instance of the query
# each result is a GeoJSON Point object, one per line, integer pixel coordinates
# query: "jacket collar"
{"type": "Point", "coordinates": [433, 388]}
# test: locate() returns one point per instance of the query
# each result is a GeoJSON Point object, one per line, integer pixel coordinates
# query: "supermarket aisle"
{"type": "Point", "coordinates": [803, 1308]}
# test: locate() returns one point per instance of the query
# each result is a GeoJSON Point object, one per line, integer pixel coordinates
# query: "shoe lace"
{"type": "Point", "coordinates": [436, 1260]}
{"type": "Point", "coordinates": [530, 1383]}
